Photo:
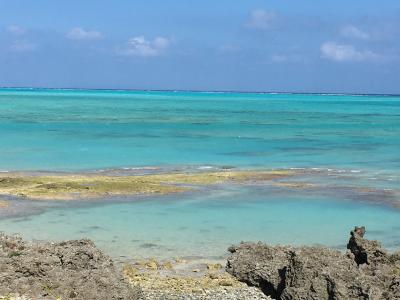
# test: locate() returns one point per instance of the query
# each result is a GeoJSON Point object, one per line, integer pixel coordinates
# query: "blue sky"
{"type": "Point", "coordinates": [282, 45]}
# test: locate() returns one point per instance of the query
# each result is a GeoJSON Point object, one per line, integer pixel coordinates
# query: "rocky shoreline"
{"type": "Point", "coordinates": [78, 270]}
{"type": "Point", "coordinates": [66, 270]}
{"type": "Point", "coordinates": [365, 271]}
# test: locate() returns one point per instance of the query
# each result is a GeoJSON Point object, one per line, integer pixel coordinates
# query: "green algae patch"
{"type": "Point", "coordinates": [77, 187]}
{"type": "Point", "coordinates": [70, 187]}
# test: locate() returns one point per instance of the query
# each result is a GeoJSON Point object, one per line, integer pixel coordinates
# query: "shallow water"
{"type": "Point", "coordinates": [205, 224]}
{"type": "Point", "coordinates": [347, 145]}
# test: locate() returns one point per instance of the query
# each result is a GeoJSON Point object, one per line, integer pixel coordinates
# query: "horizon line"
{"type": "Point", "coordinates": [200, 91]}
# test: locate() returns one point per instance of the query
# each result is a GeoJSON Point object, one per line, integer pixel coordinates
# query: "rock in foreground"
{"type": "Point", "coordinates": [67, 270]}
{"type": "Point", "coordinates": [366, 271]}
{"type": "Point", "coordinates": [188, 280]}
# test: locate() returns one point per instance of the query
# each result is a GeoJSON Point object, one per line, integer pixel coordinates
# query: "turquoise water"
{"type": "Point", "coordinates": [205, 225]}
{"type": "Point", "coordinates": [349, 145]}
{"type": "Point", "coordinates": [75, 130]}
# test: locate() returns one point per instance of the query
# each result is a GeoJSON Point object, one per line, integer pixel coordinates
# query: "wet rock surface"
{"type": "Point", "coordinates": [365, 271]}
{"type": "Point", "coordinates": [67, 270]}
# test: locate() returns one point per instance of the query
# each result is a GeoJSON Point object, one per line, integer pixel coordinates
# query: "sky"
{"type": "Point", "coordinates": [336, 46]}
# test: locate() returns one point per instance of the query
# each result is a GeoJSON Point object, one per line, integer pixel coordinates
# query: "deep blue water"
{"type": "Point", "coordinates": [349, 145]}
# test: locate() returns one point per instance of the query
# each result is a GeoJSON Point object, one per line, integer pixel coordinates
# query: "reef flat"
{"type": "Point", "coordinates": [89, 186]}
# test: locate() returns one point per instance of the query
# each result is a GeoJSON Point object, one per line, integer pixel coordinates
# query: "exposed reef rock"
{"type": "Point", "coordinates": [67, 270]}
{"type": "Point", "coordinates": [366, 271]}
{"type": "Point", "coordinates": [90, 186]}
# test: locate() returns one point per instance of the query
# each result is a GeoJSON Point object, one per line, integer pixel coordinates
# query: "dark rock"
{"type": "Point", "coordinates": [365, 251]}
{"type": "Point", "coordinates": [260, 265]}
{"type": "Point", "coordinates": [283, 272]}
{"type": "Point", "coordinates": [67, 270]}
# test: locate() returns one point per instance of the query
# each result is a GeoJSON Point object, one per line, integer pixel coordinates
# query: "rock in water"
{"type": "Point", "coordinates": [67, 270]}
{"type": "Point", "coordinates": [284, 272]}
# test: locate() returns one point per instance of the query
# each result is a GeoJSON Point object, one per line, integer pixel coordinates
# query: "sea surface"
{"type": "Point", "coordinates": [348, 144]}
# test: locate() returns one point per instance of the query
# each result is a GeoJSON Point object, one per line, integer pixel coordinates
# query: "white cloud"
{"type": "Point", "coordinates": [261, 19]}
{"type": "Point", "coordinates": [23, 46]}
{"type": "Point", "coordinates": [343, 53]}
{"type": "Point", "coordinates": [139, 46]}
{"type": "Point", "coordinates": [79, 33]}
{"type": "Point", "coordinates": [16, 30]}
{"type": "Point", "coordinates": [351, 31]}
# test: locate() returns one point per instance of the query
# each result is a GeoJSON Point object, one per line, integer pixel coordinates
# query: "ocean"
{"type": "Point", "coordinates": [348, 144]}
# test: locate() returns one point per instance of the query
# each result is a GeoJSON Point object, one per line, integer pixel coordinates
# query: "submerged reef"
{"type": "Point", "coordinates": [4, 204]}
{"type": "Point", "coordinates": [366, 271]}
{"type": "Point", "coordinates": [70, 187]}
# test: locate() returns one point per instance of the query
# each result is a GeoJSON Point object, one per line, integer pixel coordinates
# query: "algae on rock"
{"type": "Point", "coordinates": [70, 187]}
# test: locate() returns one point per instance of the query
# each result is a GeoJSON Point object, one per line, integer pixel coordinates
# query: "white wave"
{"type": "Point", "coordinates": [205, 167]}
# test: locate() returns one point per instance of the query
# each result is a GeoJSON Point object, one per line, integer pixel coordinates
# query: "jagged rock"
{"type": "Point", "coordinates": [67, 270]}
{"type": "Point", "coordinates": [260, 265]}
{"type": "Point", "coordinates": [289, 273]}
{"type": "Point", "coordinates": [365, 251]}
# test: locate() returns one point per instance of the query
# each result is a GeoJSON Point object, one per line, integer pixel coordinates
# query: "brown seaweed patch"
{"type": "Point", "coordinates": [294, 185]}
{"type": "Point", "coordinates": [396, 204]}
{"type": "Point", "coordinates": [367, 190]}
{"type": "Point", "coordinates": [4, 204]}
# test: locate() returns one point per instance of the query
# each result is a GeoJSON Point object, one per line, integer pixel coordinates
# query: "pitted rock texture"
{"type": "Point", "coordinates": [66, 270]}
{"type": "Point", "coordinates": [365, 272]}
